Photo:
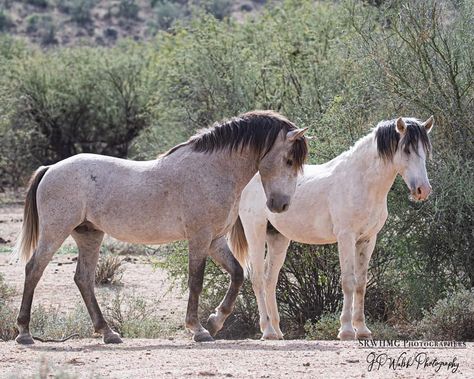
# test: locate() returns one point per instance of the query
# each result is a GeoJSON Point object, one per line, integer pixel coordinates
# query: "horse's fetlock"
{"type": "Point", "coordinates": [23, 320]}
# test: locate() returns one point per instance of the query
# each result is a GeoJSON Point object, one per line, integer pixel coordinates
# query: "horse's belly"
{"type": "Point", "coordinates": [145, 229]}
{"type": "Point", "coordinates": [153, 238]}
{"type": "Point", "coordinates": [304, 230]}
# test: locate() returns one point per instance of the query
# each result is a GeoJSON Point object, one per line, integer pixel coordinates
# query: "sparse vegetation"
{"type": "Point", "coordinates": [7, 315]}
{"type": "Point", "coordinates": [52, 322]}
{"type": "Point", "coordinates": [326, 328]}
{"type": "Point", "coordinates": [135, 317]}
{"type": "Point", "coordinates": [109, 269]}
{"type": "Point", "coordinates": [5, 21]}
{"type": "Point", "coordinates": [339, 70]}
{"type": "Point", "coordinates": [452, 318]}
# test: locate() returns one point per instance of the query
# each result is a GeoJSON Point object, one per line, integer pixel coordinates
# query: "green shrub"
{"type": "Point", "coordinates": [79, 10]}
{"type": "Point", "coordinates": [43, 26]}
{"type": "Point", "coordinates": [8, 329]}
{"type": "Point", "coordinates": [326, 328]}
{"type": "Point", "coordinates": [52, 322]}
{"type": "Point", "coordinates": [80, 100]}
{"type": "Point", "coordinates": [166, 13]}
{"type": "Point", "coordinates": [452, 318]}
{"type": "Point", "coordinates": [128, 9]}
{"type": "Point", "coordinates": [5, 21]}
{"type": "Point", "coordinates": [134, 317]}
{"type": "Point", "coordinates": [308, 285]}
{"type": "Point", "coordinates": [38, 3]}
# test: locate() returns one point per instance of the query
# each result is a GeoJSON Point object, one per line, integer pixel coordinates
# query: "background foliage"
{"type": "Point", "coordinates": [336, 67]}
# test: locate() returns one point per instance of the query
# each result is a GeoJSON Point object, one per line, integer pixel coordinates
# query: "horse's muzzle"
{"type": "Point", "coordinates": [278, 203]}
{"type": "Point", "coordinates": [421, 192]}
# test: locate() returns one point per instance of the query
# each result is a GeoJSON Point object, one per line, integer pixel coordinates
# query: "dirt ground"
{"type": "Point", "coordinates": [179, 357]}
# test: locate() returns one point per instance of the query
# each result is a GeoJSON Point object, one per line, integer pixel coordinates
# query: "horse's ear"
{"type": "Point", "coordinates": [400, 126]}
{"type": "Point", "coordinates": [293, 135]}
{"type": "Point", "coordinates": [428, 124]}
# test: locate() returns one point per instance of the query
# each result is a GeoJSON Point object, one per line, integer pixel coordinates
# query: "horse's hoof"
{"type": "Point", "coordinates": [363, 335]}
{"type": "Point", "coordinates": [24, 339]}
{"type": "Point", "coordinates": [203, 337]}
{"type": "Point", "coordinates": [213, 325]}
{"type": "Point", "coordinates": [270, 336]}
{"type": "Point", "coordinates": [112, 338]}
{"type": "Point", "coordinates": [346, 335]}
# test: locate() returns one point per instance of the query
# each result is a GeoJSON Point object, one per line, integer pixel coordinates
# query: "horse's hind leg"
{"type": "Point", "coordinates": [198, 253]}
{"type": "Point", "coordinates": [277, 246]}
{"type": "Point", "coordinates": [88, 242]}
{"type": "Point", "coordinates": [221, 253]}
{"type": "Point", "coordinates": [48, 244]}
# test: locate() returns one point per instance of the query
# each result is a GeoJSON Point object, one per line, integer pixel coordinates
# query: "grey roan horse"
{"type": "Point", "coordinates": [190, 193]}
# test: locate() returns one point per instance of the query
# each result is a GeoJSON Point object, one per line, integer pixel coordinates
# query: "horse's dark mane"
{"type": "Point", "coordinates": [388, 139]}
{"type": "Point", "coordinates": [257, 130]}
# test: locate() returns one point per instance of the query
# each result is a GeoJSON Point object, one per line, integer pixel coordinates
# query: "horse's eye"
{"type": "Point", "coordinates": [289, 162]}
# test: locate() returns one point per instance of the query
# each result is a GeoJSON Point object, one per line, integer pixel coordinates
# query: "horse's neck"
{"type": "Point", "coordinates": [363, 159]}
{"type": "Point", "coordinates": [236, 167]}
{"type": "Point", "coordinates": [240, 166]}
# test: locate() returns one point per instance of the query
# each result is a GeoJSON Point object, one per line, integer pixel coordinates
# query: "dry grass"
{"type": "Point", "coordinates": [109, 270]}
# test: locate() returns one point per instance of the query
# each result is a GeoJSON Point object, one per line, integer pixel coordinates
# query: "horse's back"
{"type": "Point", "coordinates": [127, 199]}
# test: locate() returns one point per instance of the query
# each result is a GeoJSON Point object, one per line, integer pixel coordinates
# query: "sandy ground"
{"type": "Point", "coordinates": [179, 357]}
{"type": "Point", "coordinates": [222, 359]}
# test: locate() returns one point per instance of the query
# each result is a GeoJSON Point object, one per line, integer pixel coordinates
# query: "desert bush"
{"type": "Point", "coordinates": [452, 318]}
{"type": "Point", "coordinates": [79, 10]}
{"type": "Point", "coordinates": [8, 329]}
{"type": "Point", "coordinates": [5, 21]}
{"type": "Point", "coordinates": [134, 317]}
{"type": "Point", "coordinates": [52, 322]}
{"type": "Point", "coordinates": [325, 328]}
{"type": "Point", "coordinates": [109, 269]}
{"type": "Point", "coordinates": [81, 100]}
{"type": "Point", "coordinates": [166, 13]}
{"type": "Point", "coordinates": [6, 292]}
{"type": "Point", "coordinates": [128, 9]}
{"type": "Point", "coordinates": [308, 285]}
{"type": "Point", "coordinates": [43, 26]}
{"type": "Point", "coordinates": [38, 3]}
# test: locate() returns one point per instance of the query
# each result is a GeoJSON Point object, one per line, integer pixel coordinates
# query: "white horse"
{"type": "Point", "coordinates": [343, 201]}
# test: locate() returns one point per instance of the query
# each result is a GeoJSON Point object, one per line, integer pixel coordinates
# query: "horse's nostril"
{"type": "Point", "coordinates": [285, 207]}
{"type": "Point", "coordinates": [419, 190]}
{"type": "Point", "coordinates": [271, 203]}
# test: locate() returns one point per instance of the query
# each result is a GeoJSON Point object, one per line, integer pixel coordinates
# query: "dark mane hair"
{"type": "Point", "coordinates": [257, 130]}
{"type": "Point", "coordinates": [388, 139]}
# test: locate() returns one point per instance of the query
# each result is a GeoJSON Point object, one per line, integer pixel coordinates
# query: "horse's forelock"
{"type": "Point", "coordinates": [389, 140]}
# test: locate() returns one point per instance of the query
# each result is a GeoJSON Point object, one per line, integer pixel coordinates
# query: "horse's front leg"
{"type": "Point", "coordinates": [221, 253]}
{"type": "Point", "coordinates": [346, 247]}
{"type": "Point", "coordinates": [364, 249]}
{"type": "Point", "coordinates": [198, 253]}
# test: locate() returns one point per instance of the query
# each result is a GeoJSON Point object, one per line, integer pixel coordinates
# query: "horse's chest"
{"type": "Point", "coordinates": [373, 221]}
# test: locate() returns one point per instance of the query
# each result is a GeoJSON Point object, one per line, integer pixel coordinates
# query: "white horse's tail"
{"type": "Point", "coordinates": [238, 243]}
{"type": "Point", "coordinates": [28, 238]}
